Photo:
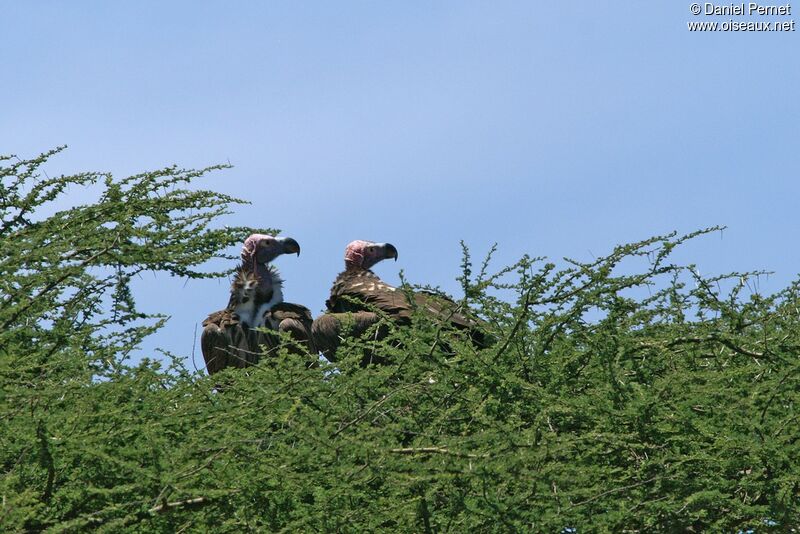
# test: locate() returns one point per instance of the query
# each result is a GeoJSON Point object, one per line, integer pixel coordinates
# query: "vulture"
{"type": "Point", "coordinates": [229, 338]}
{"type": "Point", "coordinates": [357, 290]}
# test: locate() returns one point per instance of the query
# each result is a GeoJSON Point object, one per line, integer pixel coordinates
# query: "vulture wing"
{"type": "Point", "coordinates": [447, 310]}
{"type": "Point", "coordinates": [295, 319]}
{"type": "Point", "coordinates": [360, 290]}
{"type": "Point", "coordinates": [329, 328]}
{"type": "Point", "coordinates": [444, 308]}
{"type": "Point", "coordinates": [226, 342]}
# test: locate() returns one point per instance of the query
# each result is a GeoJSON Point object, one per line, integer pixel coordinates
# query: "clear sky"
{"type": "Point", "coordinates": [551, 128]}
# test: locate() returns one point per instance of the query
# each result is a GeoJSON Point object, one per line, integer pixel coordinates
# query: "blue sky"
{"type": "Point", "coordinates": [556, 129]}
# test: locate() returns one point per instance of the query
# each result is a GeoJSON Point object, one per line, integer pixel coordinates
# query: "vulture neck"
{"type": "Point", "coordinates": [355, 268]}
{"type": "Point", "coordinates": [265, 274]}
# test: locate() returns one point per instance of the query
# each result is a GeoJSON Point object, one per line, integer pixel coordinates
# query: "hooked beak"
{"type": "Point", "coordinates": [389, 251]}
{"type": "Point", "coordinates": [290, 246]}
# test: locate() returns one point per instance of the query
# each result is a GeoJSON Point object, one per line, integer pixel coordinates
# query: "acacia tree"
{"type": "Point", "coordinates": [66, 278]}
{"type": "Point", "coordinates": [67, 314]}
{"type": "Point", "coordinates": [629, 393]}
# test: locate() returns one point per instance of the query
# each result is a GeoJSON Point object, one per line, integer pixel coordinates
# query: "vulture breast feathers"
{"type": "Point", "coordinates": [256, 300]}
{"type": "Point", "coordinates": [227, 339]}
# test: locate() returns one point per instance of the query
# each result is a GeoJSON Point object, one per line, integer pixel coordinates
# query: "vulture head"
{"type": "Point", "coordinates": [364, 254]}
{"type": "Point", "coordinates": [260, 249]}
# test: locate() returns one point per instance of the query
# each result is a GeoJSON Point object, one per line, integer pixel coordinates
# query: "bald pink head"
{"type": "Point", "coordinates": [364, 254]}
{"type": "Point", "coordinates": [263, 248]}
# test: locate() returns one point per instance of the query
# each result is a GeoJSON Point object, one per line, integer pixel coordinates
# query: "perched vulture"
{"type": "Point", "coordinates": [256, 300]}
{"type": "Point", "coordinates": [357, 290]}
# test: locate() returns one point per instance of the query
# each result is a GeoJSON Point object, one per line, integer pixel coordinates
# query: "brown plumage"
{"type": "Point", "coordinates": [365, 287]}
{"type": "Point", "coordinates": [227, 341]}
{"type": "Point", "coordinates": [230, 338]}
{"type": "Point", "coordinates": [329, 329]}
{"type": "Point", "coordinates": [357, 293]}
{"type": "Point", "coordinates": [296, 320]}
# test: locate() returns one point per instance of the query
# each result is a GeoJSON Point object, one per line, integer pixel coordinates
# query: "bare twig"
{"type": "Point", "coordinates": [165, 507]}
{"type": "Point", "coordinates": [437, 450]}
{"type": "Point", "coordinates": [617, 490]}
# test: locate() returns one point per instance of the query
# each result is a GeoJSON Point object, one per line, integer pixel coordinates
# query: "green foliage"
{"type": "Point", "coordinates": [628, 393]}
